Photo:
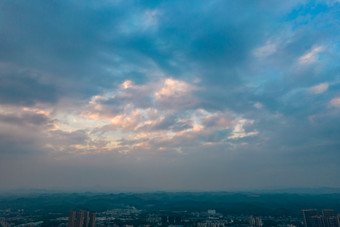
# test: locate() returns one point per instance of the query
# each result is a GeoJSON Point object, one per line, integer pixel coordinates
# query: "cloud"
{"type": "Point", "coordinates": [175, 94]}
{"type": "Point", "coordinates": [310, 56]}
{"type": "Point", "coordinates": [22, 130]}
{"type": "Point", "coordinates": [258, 105]}
{"type": "Point", "coordinates": [173, 88]}
{"type": "Point", "coordinates": [266, 50]}
{"type": "Point", "coordinates": [239, 131]}
{"type": "Point", "coordinates": [23, 86]}
{"type": "Point", "coordinates": [136, 91]}
{"type": "Point", "coordinates": [319, 89]}
{"type": "Point", "coordinates": [335, 102]}
{"type": "Point", "coordinates": [150, 18]}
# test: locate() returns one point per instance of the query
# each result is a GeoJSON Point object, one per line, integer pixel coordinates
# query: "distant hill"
{"type": "Point", "coordinates": [274, 204]}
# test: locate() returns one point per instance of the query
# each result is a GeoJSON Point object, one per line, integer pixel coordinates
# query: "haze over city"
{"type": "Point", "coordinates": [169, 95]}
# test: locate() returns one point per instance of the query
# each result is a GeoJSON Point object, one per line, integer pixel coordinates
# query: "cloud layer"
{"type": "Point", "coordinates": [169, 95]}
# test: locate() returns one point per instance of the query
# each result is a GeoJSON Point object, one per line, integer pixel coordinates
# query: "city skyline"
{"type": "Point", "coordinates": [169, 95]}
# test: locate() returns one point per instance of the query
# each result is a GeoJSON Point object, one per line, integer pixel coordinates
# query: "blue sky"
{"type": "Point", "coordinates": [169, 95]}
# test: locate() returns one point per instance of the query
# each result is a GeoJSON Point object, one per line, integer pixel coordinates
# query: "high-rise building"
{"type": "Point", "coordinates": [258, 222]}
{"type": "Point", "coordinates": [80, 219]}
{"type": "Point", "coordinates": [327, 219]}
{"type": "Point", "coordinates": [318, 221]}
{"type": "Point", "coordinates": [328, 213]}
{"type": "Point", "coordinates": [86, 218]}
{"type": "Point", "coordinates": [330, 218]}
{"type": "Point", "coordinates": [332, 222]}
{"type": "Point", "coordinates": [308, 217]}
{"type": "Point", "coordinates": [252, 221]}
{"type": "Point", "coordinates": [255, 221]}
{"type": "Point", "coordinates": [71, 218]}
{"type": "Point", "coordinates": [92, 219]}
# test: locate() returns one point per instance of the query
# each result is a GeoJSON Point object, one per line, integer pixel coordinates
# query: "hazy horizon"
{"type": "Point", "coordinates": [169, 95]}
{"type": "Point", "coordinates": [98, 190]}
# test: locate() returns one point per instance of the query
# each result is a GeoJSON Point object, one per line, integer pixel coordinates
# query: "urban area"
{"type": "Point", "coordinates": [129, 217]}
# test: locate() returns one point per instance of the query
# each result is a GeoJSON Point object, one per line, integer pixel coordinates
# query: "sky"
{"type": "Point", "coordinates": [170, 95]}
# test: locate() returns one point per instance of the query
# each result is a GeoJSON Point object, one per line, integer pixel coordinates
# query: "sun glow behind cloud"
{"type": "Point", "coordinates": [123, 126]}
{"type": "Point", "coordinates": [113, 121]}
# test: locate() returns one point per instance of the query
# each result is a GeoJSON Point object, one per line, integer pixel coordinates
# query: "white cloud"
{"type": "Point", "coordinates": [173, 88]}
{"type": "Point", "coordinates": [142, 21]}
{"type": "Point", "coordinates": [240, 132]}
{"type": "Point", "coordinates": [266, 50]}
{"type": "Point", "coordinates": [318, 89]}
{"type": "Point", "coordinates": [258, 105]}
{"type": "Point", "coordinates": [311, 55]}
{"type": "Point", "coordinates": [175, 94]}
{"type": "Point", "coordinates": [126, 84]}
{"type": "Point", "coordinates": [335, 102]}
{"type": "Point", "coordinates": [150, 18]}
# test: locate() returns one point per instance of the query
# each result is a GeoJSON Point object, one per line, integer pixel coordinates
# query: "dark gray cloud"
{"type": "Point", "coordinates": [24, 87]}
{"type": "Point", "coordinates": [23, 132]}
{"type": "Point", "coordinates": [27, 119]}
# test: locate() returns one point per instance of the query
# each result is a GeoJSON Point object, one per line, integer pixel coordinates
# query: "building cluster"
{"type": "Point", "coordinates": [211, 224]}
{"type": "Point", "coordinates": [327, 218]}
{"type": "Point", "coordinates": [209, 218]}
{"type": "Point", "coordinates": [129, 216]}
{"type": "Point", "coordinates": [255, 221]}
{"type": "Point", "coordinates": [82, 218]}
